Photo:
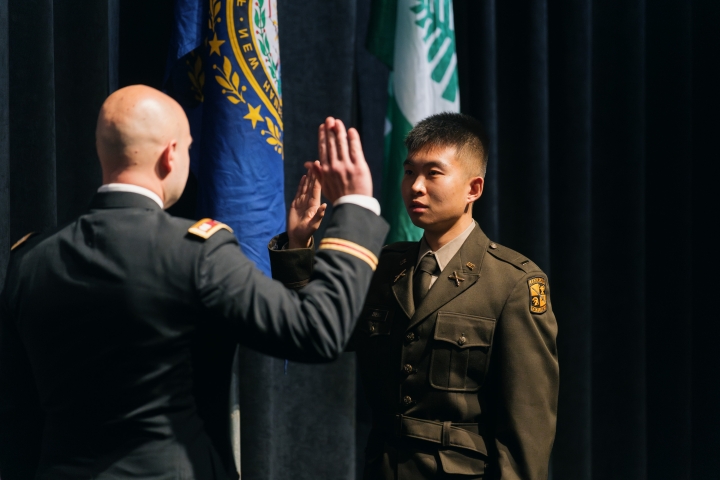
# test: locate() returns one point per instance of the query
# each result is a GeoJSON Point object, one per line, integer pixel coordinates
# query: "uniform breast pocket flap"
{"type": "Point", "coordinates": [377, 320]}
{"type": "Point", "coordinates": [461, 351]}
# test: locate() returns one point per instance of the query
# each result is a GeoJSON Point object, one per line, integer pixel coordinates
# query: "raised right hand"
{"type": "Point", "coordinates": [342, 169]}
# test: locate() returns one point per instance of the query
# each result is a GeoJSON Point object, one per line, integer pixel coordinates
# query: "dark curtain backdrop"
{"type": "Point", "coordinates": [603, 119]}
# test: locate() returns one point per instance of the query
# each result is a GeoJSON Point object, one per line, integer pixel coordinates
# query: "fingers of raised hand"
{"type": "Point", "coordinates": [342, 141]}
{"type": "Point", "coordinates": [302, 188]}
{"type": "Point", "coordinates": [332, 146]}
{"type": "Point", "coordinates": [315, 187]}
{"type": "Point", "coordinates": [322, 144]}
{"type": "Point", "coordinates": [356, 151]}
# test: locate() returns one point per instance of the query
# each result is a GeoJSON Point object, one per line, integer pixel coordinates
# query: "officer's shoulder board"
{"type": "Point", "coordinates": [512, 257]}
{"type": "Point", "coordinates": [207, 227]}
{"type": "Point", "coordinates": [22, 240]}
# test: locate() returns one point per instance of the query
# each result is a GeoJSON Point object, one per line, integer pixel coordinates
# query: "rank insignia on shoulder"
{"type": "Point", "coordinates": [22, 240]}
{"type": "Point", "coordinates": [538, 296]}
{"type": "Point", "coordinates": [207, 227]}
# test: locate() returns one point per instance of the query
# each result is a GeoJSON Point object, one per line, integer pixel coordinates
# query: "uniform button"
{"type": "Point", "coordinates": [462, 340]}
{"type": "Point", "coordinates": [493, 245]}
{"type": "Point", "coordinates": [410, 337]}
{"type": "Point", "coordinates": [372, 328]}
{"type": "Point", "coordinates": [408, 369]}
{"type": "Point", "coordinates": [407, 400]}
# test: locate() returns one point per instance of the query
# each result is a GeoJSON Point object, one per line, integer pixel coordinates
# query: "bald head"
{"type": "Point", "coordinates": [142, 138]}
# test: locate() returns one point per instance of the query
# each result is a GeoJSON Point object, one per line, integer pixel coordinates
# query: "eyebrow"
{"type": "Point", "coordinates": [429, 164]}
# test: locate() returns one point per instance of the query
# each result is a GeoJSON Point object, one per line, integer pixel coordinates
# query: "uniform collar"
{"type": "Point", "coordinates": [128, 187]}
{"type": "Point", "coordinates": [445, 253]}
{"type": "Point", "coordinates": [104, 200]}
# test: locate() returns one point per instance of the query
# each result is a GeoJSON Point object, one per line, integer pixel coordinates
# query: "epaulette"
{"type": "Point", "coordinates": [207, 227]}
{"type": "Point", "coordinates": [512, 257]}
{"type": "Point", "coordinates": [22, 240]}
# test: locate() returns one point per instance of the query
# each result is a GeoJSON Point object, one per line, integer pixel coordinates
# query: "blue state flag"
{"type": "Point", "coordinates": [224, 69]}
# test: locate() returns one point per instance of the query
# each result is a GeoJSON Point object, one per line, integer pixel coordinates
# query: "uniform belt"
{"type": "Point", "coordinates": [447, 434]}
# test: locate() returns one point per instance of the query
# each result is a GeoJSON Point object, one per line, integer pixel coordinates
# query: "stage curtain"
{"type": "Point", "coordinates": [601, 116]}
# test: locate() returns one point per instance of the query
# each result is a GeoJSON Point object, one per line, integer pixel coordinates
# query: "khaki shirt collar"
{"type": "Point", "coordinates": [447, 251]}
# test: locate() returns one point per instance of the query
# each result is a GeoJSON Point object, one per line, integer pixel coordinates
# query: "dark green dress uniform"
{"type": "Point", "coordinates": [122, 325]}
{"type": "Point", "coordinates": [466, 385]}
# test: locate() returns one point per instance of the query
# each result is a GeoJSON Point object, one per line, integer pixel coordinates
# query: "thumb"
{"type": "Point", "coordinates": [320, 213]}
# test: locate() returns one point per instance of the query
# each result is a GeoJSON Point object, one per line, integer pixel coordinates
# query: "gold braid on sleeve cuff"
{"type": "Point", "coordinates": [350, 248]}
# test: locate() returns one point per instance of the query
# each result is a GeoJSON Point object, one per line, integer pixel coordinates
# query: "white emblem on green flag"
{"type": "Point", "coordinates": [424, 81]}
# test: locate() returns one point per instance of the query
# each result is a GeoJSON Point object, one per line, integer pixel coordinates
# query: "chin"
{"type": "Point", "coordinates": [418, 221]}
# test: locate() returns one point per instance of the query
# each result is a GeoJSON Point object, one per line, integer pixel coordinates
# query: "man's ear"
{"type": "Point", "coordinates": [476, 188]}
{"type": "Point", "coordinates": [166, 163]}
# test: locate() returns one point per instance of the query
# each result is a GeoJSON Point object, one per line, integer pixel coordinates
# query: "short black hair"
{"type": "Point", "coordinates": [449, 129]}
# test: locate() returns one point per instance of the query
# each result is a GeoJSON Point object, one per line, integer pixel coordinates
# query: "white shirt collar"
{"type": "Point", "coordinates": [127, 187]}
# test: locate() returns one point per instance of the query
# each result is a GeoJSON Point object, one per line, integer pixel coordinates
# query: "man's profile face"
{"type": "Point", "coordinates": [435, 188]}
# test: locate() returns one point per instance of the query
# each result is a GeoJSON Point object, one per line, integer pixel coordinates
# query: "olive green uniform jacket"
{"type": "Point", "coordinates": [465, 385]}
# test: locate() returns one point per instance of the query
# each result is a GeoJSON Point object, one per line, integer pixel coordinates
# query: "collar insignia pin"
{"type": "Point", "coordinates": [454, 277]}
{"type": "Point", "coordinates": [399, 276]}
{"type": "Point", "coordinates": [403, 261]}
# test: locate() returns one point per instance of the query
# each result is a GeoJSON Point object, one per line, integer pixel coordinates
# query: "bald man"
{"type": "Point", "coordinates": [110, 325]}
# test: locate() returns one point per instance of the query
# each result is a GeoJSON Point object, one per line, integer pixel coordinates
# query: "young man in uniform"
{"type": "Point", "coordinates": [456, 342]}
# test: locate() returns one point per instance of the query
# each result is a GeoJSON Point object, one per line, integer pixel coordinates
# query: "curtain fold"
{"type": "Point", "coordinates": [4, 142]}
{"type": "Point", "coordinates": [605, 115]}
{"type": "Point", "coordinates": [32, 111]}
{"type": "Point", "coordinates": [570, 133]}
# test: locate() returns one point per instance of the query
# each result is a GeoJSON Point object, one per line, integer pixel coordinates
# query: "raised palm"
{"type": "Point", "coordinates": [306, 212]}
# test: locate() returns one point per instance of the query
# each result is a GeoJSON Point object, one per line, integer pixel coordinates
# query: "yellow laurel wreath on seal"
{"type": "Point", "coordinates": [230, 81]}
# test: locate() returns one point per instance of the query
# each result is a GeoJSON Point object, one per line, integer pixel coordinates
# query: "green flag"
{"type": "Point", "coordinates": [416, 39]}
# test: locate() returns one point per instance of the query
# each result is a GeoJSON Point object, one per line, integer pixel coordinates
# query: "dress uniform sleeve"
{"type": "Point", "coordinates": [20, 417]}
{"type": "Point", "coordinates": [525, 367]}
{"type": "Point", "coordinates": [312, 324]}
{"type": "Point", "coordinates": [292, 267]}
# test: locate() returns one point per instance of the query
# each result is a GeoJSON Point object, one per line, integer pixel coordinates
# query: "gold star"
{"type": "Point", "coordinates": [215, 45]}
{"type": "Point", "coordinates": [254, 115]}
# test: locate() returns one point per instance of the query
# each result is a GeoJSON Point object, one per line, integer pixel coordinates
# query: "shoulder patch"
{"type": "Point", "coordinates": [538, 294]}
{"type": "Point", "coordinates": [207, 227]}
{"type": "Point", "coordinates": [22, 240]}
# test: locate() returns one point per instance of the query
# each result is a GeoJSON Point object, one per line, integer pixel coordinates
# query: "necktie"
{"type": "Point", "coordinates": [423, 275]}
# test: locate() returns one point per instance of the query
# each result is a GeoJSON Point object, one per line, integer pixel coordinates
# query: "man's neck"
{"type": "Point", "coordinates": [133, 178]}
{"type": "Point", "coordinates": [437, 239]}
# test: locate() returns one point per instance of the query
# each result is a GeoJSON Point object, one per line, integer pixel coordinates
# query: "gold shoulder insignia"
{"type": "Point", "coordinates": [22, 240]}
{"type": "Point", "coordinates": [207, 227]}
{"type": "Point", "coordinates": [538, 295]}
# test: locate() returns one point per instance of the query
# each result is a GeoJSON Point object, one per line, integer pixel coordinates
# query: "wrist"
{"type": "Point", "coordinates": [294, 243]}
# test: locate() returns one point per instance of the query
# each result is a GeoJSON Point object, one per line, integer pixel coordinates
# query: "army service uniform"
{"type": "Point", "coordinates": [121, 326]}
{"type": "Point", "coordinates": [466, 385]}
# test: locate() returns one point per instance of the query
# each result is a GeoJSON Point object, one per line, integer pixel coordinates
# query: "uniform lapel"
{"type": "Point", "coordinates": [403, 279]}
{"type": "Point", "coordinates": [466, 265]}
